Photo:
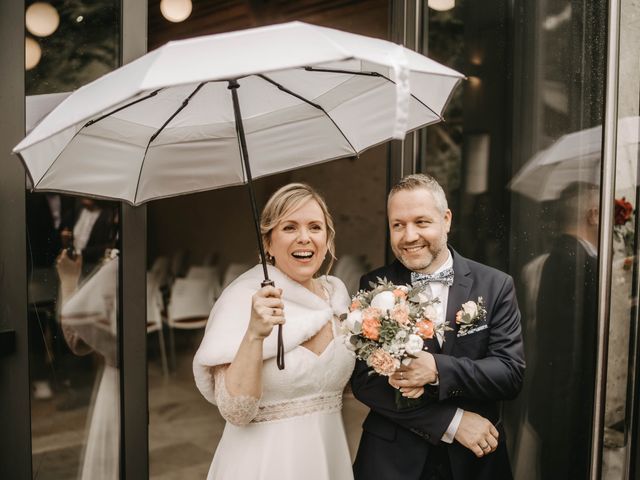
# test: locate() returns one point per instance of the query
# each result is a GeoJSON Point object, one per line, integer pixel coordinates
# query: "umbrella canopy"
{"type": "Point", "coordinates": [165, 124]}
{"type": "Point", "coordinates": [185, 118]}
{"type": "Point", "coordinates": [576, 157]}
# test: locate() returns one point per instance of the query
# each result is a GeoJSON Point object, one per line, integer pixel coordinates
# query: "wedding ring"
{"type": "Point", "coordinates": [485, 446]}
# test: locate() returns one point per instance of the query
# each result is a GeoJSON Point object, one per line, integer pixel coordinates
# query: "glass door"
{"type": "Point", "coordinates": [72, 261]}
{"type": "Point", "coordinates": [621, 397]}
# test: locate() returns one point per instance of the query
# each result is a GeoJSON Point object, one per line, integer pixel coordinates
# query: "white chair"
{"type": "Point", "coordinates": [209, 273]}
{"type": "Point", "coordinates": [233, 271]}
{"type": "Point", "coordinates": [155, 307]}
{"type": "Point", "coordinates": [161, 271]}
{"type": "Point", "coordinates": [210, 259]}
{"type": "Point", "coordinates": [179, 263]}
{"type": "Point", "coordinates": [189, 306]}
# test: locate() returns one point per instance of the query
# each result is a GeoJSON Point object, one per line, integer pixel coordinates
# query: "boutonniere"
{"type": "Point", "coordinates": [470, 315]}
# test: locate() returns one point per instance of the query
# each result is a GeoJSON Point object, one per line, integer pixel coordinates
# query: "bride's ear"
{"type": "Point", "coordinates": [270, 258]}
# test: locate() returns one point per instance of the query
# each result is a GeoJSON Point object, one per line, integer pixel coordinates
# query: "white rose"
{"type": "Point", "coordinates": [414, 345]}
{"type": "Point", "coordinates": [470, 308]}
{"type": "Point", "coordinates": [384, 301]}
{"type": "Point", "coordinates": [401, 335]}
{"type": "Point", "coordinates": [353, 318]}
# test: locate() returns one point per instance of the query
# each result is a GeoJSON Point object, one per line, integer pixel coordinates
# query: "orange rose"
{"type": "Point", "coordinates": [459, 316]}
{"type": "Point", "coordinates": [371, 328]}
{"type": "Point", "coordinates": [382, 362]}
{"type": "Point", "coordinates": [425, 328]}
{"type": "Point", "coordinates": [355, 305]}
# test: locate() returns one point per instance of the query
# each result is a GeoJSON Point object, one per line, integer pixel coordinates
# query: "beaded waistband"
{"type": "Point", "coordinates": [326, 402]}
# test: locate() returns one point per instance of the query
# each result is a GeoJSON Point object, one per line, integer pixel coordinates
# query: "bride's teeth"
{"type": "Point", "coordinates": [303, 254]}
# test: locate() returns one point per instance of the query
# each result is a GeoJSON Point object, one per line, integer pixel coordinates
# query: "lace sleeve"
{"type": "Point", "coordinates": [237, 410]}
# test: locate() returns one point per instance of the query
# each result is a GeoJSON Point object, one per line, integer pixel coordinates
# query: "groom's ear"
{"type": "Point", "coordinates": [448, 215]}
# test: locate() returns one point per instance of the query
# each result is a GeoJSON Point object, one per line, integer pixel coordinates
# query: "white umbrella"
{"type": "Point", "coordinates": [184, 118]}
{"type": "Point", "coordinates": [576, 157]}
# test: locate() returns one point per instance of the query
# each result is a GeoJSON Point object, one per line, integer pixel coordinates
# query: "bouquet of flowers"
{"type": "Point", "coordinates": [388, 324]}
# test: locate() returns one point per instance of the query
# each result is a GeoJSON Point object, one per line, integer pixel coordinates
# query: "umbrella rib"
{"type": "Point", "coordinates": [349, 72]}
{"type": "Point", "coordinates": [373, 74]}
{"type": "Point", "coordinates": [91, 122]}
{"type": "Point", "coordinates": [315, 105]}
{"type": "Point", "coordinates": [185, 102]}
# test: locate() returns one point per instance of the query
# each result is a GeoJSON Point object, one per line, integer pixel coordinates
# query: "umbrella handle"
{"type": "Point", "coordinates": [280, 354]}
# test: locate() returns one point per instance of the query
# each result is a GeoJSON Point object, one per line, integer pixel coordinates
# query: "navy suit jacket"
{"type": "Point", "coordinates": [476, 372]}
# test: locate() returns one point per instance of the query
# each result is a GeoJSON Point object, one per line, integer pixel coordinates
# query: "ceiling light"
{"type": "Point", "coordinates": [32, 53]}
{"type": "Point", "coordinates": [42, 19]}
{"type": "Point", "coordinates": [175, 10]}
{"type": "Point", "coordinates": [441, 5]}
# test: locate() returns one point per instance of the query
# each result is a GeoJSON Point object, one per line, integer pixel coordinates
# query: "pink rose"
{"type": "Point", "coordinates": [400, 313]}
{"type": "Point", "coordinates": [382, 362]}
{"type": "Point", "coordinates": [399, 293]}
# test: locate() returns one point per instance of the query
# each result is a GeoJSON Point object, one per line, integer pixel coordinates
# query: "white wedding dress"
{"type": "Point", "coordinates": [295, 430]}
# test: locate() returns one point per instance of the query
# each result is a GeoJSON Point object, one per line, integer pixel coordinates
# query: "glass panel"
{"type": "Point", "coordinates": [558, 108]}
{"type": "Point", "coordinates": [624, 271]}
{"type": "Point", "coordinates": [217, 236]}
{"type": "Point", "coordinates": [72, 268]}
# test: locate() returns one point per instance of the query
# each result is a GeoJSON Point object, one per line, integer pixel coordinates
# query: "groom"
{"type": "Point", "coordinates": [456, 432]}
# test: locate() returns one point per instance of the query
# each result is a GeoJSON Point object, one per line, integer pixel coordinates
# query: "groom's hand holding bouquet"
{"type": "Point", "coordinates": [386, 328]}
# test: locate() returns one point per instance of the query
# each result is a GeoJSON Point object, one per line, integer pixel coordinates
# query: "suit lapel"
{"type": "Point", "coordinates": [458, 294]}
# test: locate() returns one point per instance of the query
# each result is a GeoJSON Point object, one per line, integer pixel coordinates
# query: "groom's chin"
{"type": "Point", "coordinates": [414, 264]}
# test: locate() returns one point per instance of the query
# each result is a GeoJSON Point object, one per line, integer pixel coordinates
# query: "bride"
{"type": "Point", "coordinates": [281, 424]}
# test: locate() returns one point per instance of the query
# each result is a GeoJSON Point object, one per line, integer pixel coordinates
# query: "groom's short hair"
{"type": "Point", "coordinates": [422, 180]}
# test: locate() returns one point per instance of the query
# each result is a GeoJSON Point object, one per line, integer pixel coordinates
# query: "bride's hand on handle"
{"type": "Point", "coordinates": [267, 311]}
{"type": "Point", "coordinates": [244, 375]}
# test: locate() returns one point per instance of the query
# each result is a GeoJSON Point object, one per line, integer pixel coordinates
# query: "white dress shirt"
{"type": "Point", "coordinates": [441, 291]}
{"type": "Point", "coordinates": [82, 228]}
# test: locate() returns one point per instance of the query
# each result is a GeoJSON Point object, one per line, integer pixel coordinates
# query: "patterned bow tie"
{"type": "Point", "coordinates": [445, 277]}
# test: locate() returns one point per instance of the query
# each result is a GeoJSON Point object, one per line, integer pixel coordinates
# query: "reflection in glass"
{"type": "Point", "coordinates": [88, 321]}
{"type": "Point", "coordinates": [72, 344]}
{"type": "Point", "coordinates": [562, 376]}
{"type": "Point", "coordinates": [72, 309]}
{"type": "Point", "coordinates": [84, 45]}
{"type": "Point", "coordinates": [555, 216]}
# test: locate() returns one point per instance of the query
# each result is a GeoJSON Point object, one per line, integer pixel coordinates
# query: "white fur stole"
{"type": "Point", "coordinates": [305, 314]}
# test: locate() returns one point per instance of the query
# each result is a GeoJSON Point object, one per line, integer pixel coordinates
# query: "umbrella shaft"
{"type": "Point", "coordinates": [233, 86]}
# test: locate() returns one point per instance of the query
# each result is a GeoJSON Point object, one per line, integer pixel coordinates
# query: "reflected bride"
{"type": "Point", "coordinates": [281, 424]}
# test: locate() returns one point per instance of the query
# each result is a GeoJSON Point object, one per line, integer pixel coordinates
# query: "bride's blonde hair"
{"type": "Point", "coordinates": [287, 199]}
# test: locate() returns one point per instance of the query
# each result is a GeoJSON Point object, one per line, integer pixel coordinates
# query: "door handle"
{"type": "Point", "coordinates": [7, 342]}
